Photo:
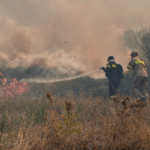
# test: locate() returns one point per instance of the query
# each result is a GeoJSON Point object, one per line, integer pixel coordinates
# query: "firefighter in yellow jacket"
{"type": "Point", "coordinates": [141, 77]}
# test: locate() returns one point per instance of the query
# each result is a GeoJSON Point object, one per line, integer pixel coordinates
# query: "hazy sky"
{"type": "Point", "coordinates": [77, 34]}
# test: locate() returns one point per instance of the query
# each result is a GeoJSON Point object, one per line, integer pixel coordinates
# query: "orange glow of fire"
{"type": "Point", "coordinates": [15, 88]}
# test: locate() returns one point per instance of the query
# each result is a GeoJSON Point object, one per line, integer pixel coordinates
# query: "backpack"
{"type": "Point", "coordinates": [120, 71]}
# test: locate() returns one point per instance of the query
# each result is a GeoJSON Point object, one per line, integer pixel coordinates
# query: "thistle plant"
{"type": "Point", "coordinates": [125, 102]}
{"type": "Point", "coordinates": [68, 108]}
{"type": "Point", "coordinates": [48, 95]}
{"type": "Point", "coordinates": [116, 101]}
{"type": "Point", "coordinates": [138, 105]}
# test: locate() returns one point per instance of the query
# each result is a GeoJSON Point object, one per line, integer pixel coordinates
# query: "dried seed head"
{"type": "Point", "coordinates": [138, 104]}
{"type": "Point", "coordinates": [132, 105]}
{"type": "Point", "coordinates": [125, 101]}
{"type": "Point", "coordinates": [48, 95]}
{"type": "Point", "coordinates": [143, 104]}
{"type": "Point", "coordinates": [68, 105]}
{"type": "Point", "coordinates": [115, 100]}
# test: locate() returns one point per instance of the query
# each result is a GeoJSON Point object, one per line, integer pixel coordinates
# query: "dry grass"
{"type": "Point", "coordinates": [120, 124]}
{"type": "Point", "coordinates": [75, 124]}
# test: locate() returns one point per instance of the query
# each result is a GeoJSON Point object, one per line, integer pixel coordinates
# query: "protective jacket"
{"type": "Point", "coordinates": [111, 74]}
{"type": "Point", "coordinates": [138, 66]}
{"type": "Point", "coordinates": [111, 70]}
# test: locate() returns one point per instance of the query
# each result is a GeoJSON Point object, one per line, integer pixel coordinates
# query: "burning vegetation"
{"type": "Point", "coordinates": [14, 88]}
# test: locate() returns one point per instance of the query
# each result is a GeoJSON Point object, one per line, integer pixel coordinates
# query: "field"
{"type": "Point", "coordinates": [72, 123]}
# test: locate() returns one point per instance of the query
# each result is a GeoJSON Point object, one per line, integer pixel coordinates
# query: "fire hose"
{"type": "Point", "coordinates": [110, 82]}
{"type": "Point", "coordinates": [66, 79]}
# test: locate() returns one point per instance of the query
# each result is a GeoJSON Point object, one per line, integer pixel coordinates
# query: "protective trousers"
{"type": "Point", "coordinates": [113, 85]}
{"type": "Point", "coordinates": [143, 82]}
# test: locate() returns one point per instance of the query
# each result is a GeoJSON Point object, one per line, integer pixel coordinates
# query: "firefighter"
{"type": "Point", "coordinates": [141, 77]}
{"type": "Point", "coordinates": [113, 72]}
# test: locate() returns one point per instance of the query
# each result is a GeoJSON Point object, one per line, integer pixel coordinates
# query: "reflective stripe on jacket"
{"type": "Point", "coordinates": [138, 66]}
{"type": "Point", "coordinates": [111, 71]}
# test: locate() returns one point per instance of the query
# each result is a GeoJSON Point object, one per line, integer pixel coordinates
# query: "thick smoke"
{"type": "Point", "coordinates": [67, 34]}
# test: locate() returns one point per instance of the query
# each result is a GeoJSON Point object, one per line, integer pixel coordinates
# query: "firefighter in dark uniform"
{"type": "Point", "coordinates": [113, 72]}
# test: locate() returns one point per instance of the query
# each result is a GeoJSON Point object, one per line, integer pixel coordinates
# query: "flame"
{"type": "Point", "coordinates": [1, 74]}
{"type": "Point", "coordinates": [14, 88]}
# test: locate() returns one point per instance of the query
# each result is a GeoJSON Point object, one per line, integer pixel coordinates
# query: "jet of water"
{"type": "Point", "coordinates": [57, 80]}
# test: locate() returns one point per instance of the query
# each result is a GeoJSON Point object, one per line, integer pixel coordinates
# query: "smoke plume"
{"type": "Point", "coordinates": [67, 34]}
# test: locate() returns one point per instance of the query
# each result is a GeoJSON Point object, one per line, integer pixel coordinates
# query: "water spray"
{"type": "Point", "coordinates": [57, 80]}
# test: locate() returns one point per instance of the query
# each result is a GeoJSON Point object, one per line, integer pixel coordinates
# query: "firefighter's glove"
{"type": "Point", "coordinates": [103, 68]}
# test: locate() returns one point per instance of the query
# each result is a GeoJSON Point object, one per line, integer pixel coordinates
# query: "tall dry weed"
{"type": "Point", "coordinates": [121, 125]}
